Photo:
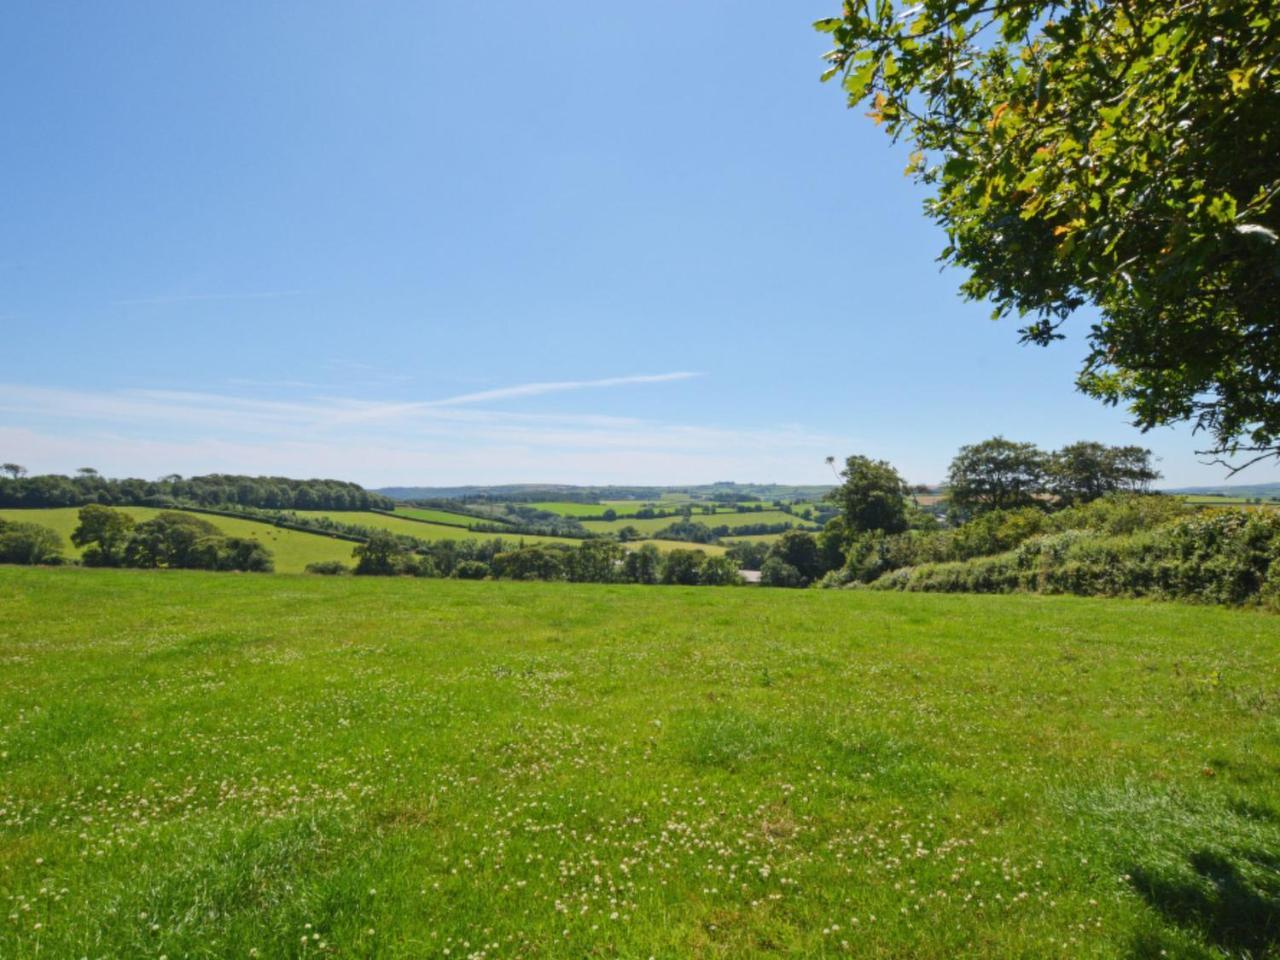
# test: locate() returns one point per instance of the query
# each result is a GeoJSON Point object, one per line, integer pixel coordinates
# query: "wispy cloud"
{"type": "Point", "coordinates": [445, 441]}
{"type": "Point", "coordinates": [199, 297]}
{"type": "Point", "coordinates": [391, 410]}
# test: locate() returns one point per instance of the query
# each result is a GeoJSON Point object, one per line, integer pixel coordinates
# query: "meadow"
{"type": "Point", "coordinates": [423, 530]}
{"type": "Point", "coordinates": [291, 550]}
{"type": "Point", "coordinates": [443, 516]}
{"type": "Point", "coordinates": [206, 765]}
{"type": "Point", "coordinates": [730, 519]}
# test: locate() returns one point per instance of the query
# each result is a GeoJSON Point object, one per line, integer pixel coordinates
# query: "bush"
{"type": "Point", "coordinates": [328, 568]}
{"type": "Point", "coordinates": [29, 543]}
{"type": "Point", "coordinates": [1224, 557]}
{"type": "Point", "coordinates": [779, 573]}
{"type": "Point", "coordinates": [471, 570]}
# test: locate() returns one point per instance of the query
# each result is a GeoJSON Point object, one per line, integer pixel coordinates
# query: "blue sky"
{"type": "Point", "coordinates": [429, 243]}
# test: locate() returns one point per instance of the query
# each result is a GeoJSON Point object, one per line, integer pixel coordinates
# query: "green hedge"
{"type": "Point", "coordinates": [1230, 557]}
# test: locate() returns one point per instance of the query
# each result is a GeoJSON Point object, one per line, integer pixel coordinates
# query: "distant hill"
{"type": "Point", "coordinates": [1246, 490]}
{"type": "Point", "coordinates": [588, 494]}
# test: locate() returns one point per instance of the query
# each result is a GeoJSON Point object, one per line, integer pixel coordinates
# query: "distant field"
{"type": "Point", "coordinates": [291, 550]}
{"type": "Point", "coordinates": [666, 546]}
{"type": "Point", "coordinates": [654, 524]}
{"type": "Point", "coordinates": [441, 516]}
{"type": "Point", "coordinates": [1212, 501]}
{"type": "Point", "coordinates": [204, 765]}
{"type": "Point", "coordinates": [757, 538]}
{"type": "Point", "coordinates": [424, 531]}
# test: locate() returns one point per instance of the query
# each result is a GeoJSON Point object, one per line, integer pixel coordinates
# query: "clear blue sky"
{"type": "Point", "coordinates": [434, 243]}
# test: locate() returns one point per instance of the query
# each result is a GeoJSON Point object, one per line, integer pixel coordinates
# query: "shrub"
{"type": "Point", "coordinates": [471, 570]}
{"type": "Point", "coordinates": [29, 543]}
{"type": "Point", "coordinates": [328, 568]}
{"type": "Point", "coordinates": [779, 573]}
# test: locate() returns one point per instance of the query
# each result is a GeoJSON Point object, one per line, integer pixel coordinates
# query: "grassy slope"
{"type": "Point", "coordinates": [442, 516]}
{"type": "Point", "coordinates": [425, 531]}
{"type": "Point", "coordinates": [654, 524]}
{"type": "Point", "coordinates": [389, 768]}
{"type": "Point", "coordinates": [291, 550]}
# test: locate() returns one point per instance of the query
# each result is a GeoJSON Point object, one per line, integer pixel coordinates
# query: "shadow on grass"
{"type": "Point", "coordinates": [1228, 910]}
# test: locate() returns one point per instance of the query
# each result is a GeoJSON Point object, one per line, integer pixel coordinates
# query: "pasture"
{"type": "Point", "coordinates": [443, 516]}
{"type": "Point", "coordinates": [205, 765]}
{"type": "Point", "coordinates": [291, 550]}
{"type": "Point", "coordinates": [732, 519]}
{"type": "Point", "coordinates": [424, 530]}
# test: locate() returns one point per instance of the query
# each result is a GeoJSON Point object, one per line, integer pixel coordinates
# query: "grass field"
{"type": "Point", "coordinates": [666, 546]}
{"type": "Point", "coordinates": [425, 531]}
{"type": "Point", "coordinates": [654, 524]}
{"type": "Point", "coordinates": [291, 550]}
{"type": "Point", "coordinates": [207, 765]}
{"type": "Point", "coordinates": [442, 516]}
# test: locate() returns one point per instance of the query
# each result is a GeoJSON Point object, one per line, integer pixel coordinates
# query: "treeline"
{"type": "Point", "coordinates": [592, 561]}
{"type": "Point", "coordinates": [1078, 520]}
{"type": "Point", "coordinates": [213, 490]}
{"type": "Point", "coordinates": [111, 538]}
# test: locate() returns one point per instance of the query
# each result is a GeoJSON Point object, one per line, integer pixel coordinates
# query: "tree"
{"type": "Point", "coordinates": [799, 550]}
{"type": "Point", "coordinates": [380, 555]}
{"type": "Point", "coordinates": [872, 496]}
{"type": "Point", "coordinates": [1086, 470]}
{"type": "Point", "coordinates": [530, 563]}
{"type": "Point", "coordinates": [720, 572]}
{"type": "Point", "coordinates": [169, 539]}
{"type": "Point", "coordinates": [642, 565]}
{"type": "Point", "coordinates": [1117, 154]}
{"type": "Point", "coordinates": [682, 566]}
{"type": "Point", "coordinates": [779, 573]}
{"type": "Point", "coordinates": [29, 543]}
{"type": "Point", "coordinates": [15, 470]}
{"type": "Point", "coordinates": [595, 561]}
{"type": "Point", "coordinates": [997, 474]}
{"type": "Point", "coordinates": [104, 532]}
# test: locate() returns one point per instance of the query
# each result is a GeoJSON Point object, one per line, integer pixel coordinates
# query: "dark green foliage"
{"type": "Point", "coordinates": [1120, 154]}
{"type": "Point", "coordinates": [179, 540]}
{"type": "Point", "coordinates": [29, 543]}
{"type": "Point", "coordinates": [643, 565]}
{"type": "Point", "coordinates": [594, 561]}
{"type": "Point", "coordinates": [1085, 471]}
{"type": "Point", "coordinates": [798, 550]}
{"type": "Point", "coordinates": [530, 563]}
{"type": "Point", "coordinates": [104, 532]}
{"type": "Point", "coordinates": [1228, 557]}
{"type": "Point", "coordinates": [872, 496]}
{"type": "Point", "coordinates": [471, 570]}
{"type": "Point", "coordinates": [779, 573]}
{"type": "Point", "coordinates": [329, 568]}
{"type": "Point", "coordinates": [748, 554]}
{"type": "Point", "coordinates": [997, 474]}
{"type": "Point", "coordinates": [381, 555]}
{"type": "Point", "coordinates": [690, 530]}
{"type": "Point", "coordinates": [214, 490]}
{"type": "Point", "coordinates": [682, 567]}
{"type": "Point", "coordinates": [719, 572]}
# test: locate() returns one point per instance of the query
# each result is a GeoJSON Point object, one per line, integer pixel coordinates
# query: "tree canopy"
{"type": "Point", "coordinates": [1120, 154]}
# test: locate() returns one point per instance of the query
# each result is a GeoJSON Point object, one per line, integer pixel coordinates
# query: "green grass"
{"type": "Point", "coordinates": [733, 519]}
{"type": "Point", "coordinates": [442, 516]}
{"type": "Point", "coordinates": [291, 550]}
{"type": "Point", "coordinates": [666, 546]}
{"type": "Point", "coordinates": [425, 531]}
{"type": "Point", "coordinates": [210, 765]}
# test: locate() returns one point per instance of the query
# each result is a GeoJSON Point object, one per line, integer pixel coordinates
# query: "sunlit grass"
{"type": "Point", "coordinates": [210, 765]}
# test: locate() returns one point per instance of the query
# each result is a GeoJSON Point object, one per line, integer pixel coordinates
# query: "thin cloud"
{"type": "Point", "coordinates": [200, 297]}
{"type": "Point", "coordinates": [382, 411]}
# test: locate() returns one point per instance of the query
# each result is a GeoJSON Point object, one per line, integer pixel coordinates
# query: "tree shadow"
{"type": "Point", "coordinates": [1220, 903]}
